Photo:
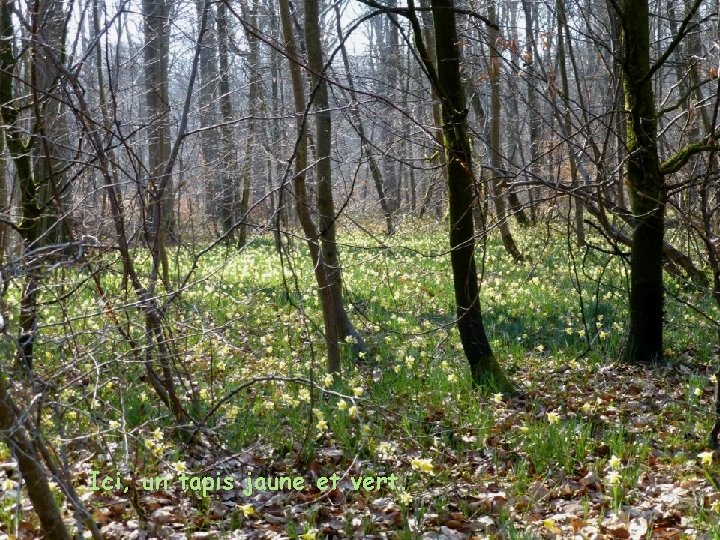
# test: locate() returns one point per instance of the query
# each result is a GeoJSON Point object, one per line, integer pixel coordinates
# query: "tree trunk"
{"type": "Point", "coordinates": [429, 39]}
{"type": "Point", "coordinates": [229, 176]}
{"type": "Point", "coordinates": [30, 466]}
{"type": "Point", "coordinates": [323, 177]}
{"type": "Point", "coordinates": [497, 183]}
{"type": "Point", "coordinates": [647, 190]}
{"type": "Point", "coordinates": [483, 365]}
{"type": "Point", "coordinates": [534, 119]}
{"type": "Point", "coordinates": [207, 111]}
{"type": "Point", "coordinates": [155, 14]}
{"type": "Point", "coordinates": [302, 203]}
{"type": "Point", "coordinates": [567, 122]}
{"type": "Point", "coordinates": [250, 136]}
{"type": "Point", "coordinates": [364, 141]}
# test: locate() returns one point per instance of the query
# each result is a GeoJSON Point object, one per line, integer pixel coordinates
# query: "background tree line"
{"type": "Point", "coordinates": [134, 131]}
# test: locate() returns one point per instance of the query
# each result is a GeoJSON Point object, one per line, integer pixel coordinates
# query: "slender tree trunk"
{"type": "Point", "coordinates": [497, 183]}
{"type": "Point", "coordinates": [207, 112]}
{"type": "Point", "coordinates": [229, 176]}
{"type": "Point", "coordinates": [446, 79]}
{"type": "Point", "coordinates": [567, 122]}
{"type": "Point", "coordinates": [302, 202]}
{"type": "Point", "coordinates": [323, 176]}
{"type": "Point", "coordinates": [619, 105]}
{"type": "Point", "coordinates": [30, 465]}
{"type": "Point", "coordinates": [364, 141]}
{"type": "Point", "coordinates": [429, 39]}
{"type": "Point", "coordinates": [534, 120]}
{"type": "Point", "coordinates": [251, 135]}
{"type": "Point", "coordinates": [390, 52]}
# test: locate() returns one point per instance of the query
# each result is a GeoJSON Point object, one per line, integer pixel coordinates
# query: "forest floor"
{"type": "Point", "coordinates": [589, 448]}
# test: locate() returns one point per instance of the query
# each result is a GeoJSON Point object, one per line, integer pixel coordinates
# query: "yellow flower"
{"type": "Point", "coordinates": [586, 408]}
{"type": "Point", "coordinates": [497, 398]}
{"type": "Point", "coordinates": [540, 348]}
{"type": "Point", "coordinates": [8, 484]}
{"type": "Point", "coordinates": [247, 509]}
{"type": "Point", "coordinates": [328, 380]}
{"type": "Point", "coordinates": [322, 425]}
{"type": "Point", "coordinates": [179, 466]}
{"type": "Point", "coordinates": [698, 392]}
{"type": "Point", "coordinates": [614, 462]}
{"type": "Point", "coordinates": [358, 391]}
{"type": "Point", "coordinates": [353, 412]}
{"type": "Point", "coordinates": [311, 534]}
{"type": "Point", "coordinates": [713, 379]}
{"type": "Point", "coordinates": [405, 498]}
{"type": "Point", "coordinates": [342, 405]}
{"type": "Point", "coordinates": [613, 478]}
{"type": "Point", "coordinates": [603, 334]}
{"type": "Point", "coordinates": [553, 417]}
{"type": "Point", "coordinates": [706, 458]}
{"type": "Point", "coordinates": [423, 465]}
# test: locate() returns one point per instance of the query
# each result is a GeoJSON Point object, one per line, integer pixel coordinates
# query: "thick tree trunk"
{"type": "Point", "coordinates": [647, 190]}
{"type": "Point", "coordinates": [483, 364]}
{"type": "Point", "coordinates": [155, 14]}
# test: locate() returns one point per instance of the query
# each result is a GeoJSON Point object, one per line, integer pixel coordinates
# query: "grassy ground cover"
{"type": "Point", "coordinates": [588, 448]}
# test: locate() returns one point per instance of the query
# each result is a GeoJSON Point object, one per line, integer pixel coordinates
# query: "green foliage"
{"type": "Point", "coordinates": [410, 399]}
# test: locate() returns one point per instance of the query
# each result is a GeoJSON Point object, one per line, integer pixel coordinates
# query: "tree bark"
{"type": "Point", "coordinates": [30, 466]}
{"type": "Point", "coordinates": [207, 111]}
{"type": "Point", "coordinates": [250, 136]}
{"type": "Point", "coordinates": [485, 369]}
{"type": "Point", "coordinates": [323, 177]}
{"type": "Point", "coordinates": [302, 203]}
{"type": "Point", "coordinates": [157, 102]}
{"type": "Point", "coordinates": [375, 171]}
{"type": "Point", "coordinates": [229, 176]}
{"type": "Point", "coordinates": [647, 190]}
{"type": "Point", "coordinates": [497, 183]}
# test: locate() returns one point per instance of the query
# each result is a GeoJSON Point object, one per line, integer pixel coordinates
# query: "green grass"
{"type": "Point", "coordinates": [240, 319]}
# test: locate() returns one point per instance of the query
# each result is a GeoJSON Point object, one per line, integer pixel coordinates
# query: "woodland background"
{"type": "Point", "coordinates": [267, 237]}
